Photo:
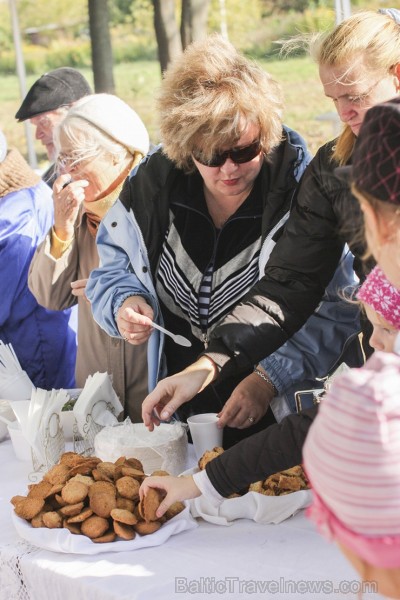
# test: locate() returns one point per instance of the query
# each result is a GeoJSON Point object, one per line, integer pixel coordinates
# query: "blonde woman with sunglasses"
{"type": "Point", "coordinates": [194, 226]}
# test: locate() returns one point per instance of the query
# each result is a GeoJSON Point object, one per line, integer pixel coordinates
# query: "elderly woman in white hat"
{"type": "Point", "coordinates": [99, 142]}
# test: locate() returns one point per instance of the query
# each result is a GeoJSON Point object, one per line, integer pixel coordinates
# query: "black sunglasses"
{"type": "Point", "coordinates": [237, 155]}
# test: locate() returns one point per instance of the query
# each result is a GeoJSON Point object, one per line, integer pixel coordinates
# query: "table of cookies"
{"type": "Point", "coordinates": [242, 560]}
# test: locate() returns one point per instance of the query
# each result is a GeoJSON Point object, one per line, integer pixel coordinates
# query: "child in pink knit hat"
{"type": "Point", "coordinates": [381, 303]}
{"type": "Point", "coordinates": [352, 451]}
{"type": "Point", "coordinates": [352, 458]}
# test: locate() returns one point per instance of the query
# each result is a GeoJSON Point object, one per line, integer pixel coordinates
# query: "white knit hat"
{"type": "Point", "coordinates": [114, 117]}
{"type": "Point", "coordinates": [352, 458]}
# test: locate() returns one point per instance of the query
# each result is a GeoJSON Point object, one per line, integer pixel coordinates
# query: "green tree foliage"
{"type": "Point", "coordinates": [37, 13]}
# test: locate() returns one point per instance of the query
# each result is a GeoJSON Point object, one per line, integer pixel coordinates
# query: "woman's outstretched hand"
{"type": "Point", "coordinates": [171, 392]}
{"type": "Point", "coordinates": [133, 320]}
{"type": "Point", "coordinates": [247, 404]}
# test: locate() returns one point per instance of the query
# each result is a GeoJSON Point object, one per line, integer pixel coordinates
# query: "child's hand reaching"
{"type": "Point", "coordinates": [177, 489]}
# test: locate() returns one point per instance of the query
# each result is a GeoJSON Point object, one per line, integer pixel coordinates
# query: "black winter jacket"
{"type": "Point", "coordinates": [324, 216]}
{"type": "Point", "coordinates": [255, 458]}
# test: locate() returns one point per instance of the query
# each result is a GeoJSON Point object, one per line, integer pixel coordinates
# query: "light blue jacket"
{"type": "Point", "coordinates": [120, 244]}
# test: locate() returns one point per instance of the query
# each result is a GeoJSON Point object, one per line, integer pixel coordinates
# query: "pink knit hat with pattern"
{"type": "Point", "coordinates": [382, 296]}
{"type": "Point", "coordinates": [352, 458]}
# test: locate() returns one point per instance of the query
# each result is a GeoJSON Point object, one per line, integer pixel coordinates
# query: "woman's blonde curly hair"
{"type": "Point", "coordinates": [208, 97]}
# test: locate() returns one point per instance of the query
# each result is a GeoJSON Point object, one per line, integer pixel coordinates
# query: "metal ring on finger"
{"type": "Point", "coordinates": [251, 420]}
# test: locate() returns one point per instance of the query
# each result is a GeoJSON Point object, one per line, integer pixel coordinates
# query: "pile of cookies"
{"type": "Point", "coordinates": [94, 498]}
{"type": "Point", "coordinates": [282, 483]}
{"type": "Point", "coordinates": [278, 484]}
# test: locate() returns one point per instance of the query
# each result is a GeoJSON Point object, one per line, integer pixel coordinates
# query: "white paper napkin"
{"type": "Point", "coordinates": [254, 506]}
{"type": "Point", "coordinates": [42, 422]}
{"type": "Point", "coordinates": [61, 540]}
{"type": "Point", "coordinates": [99, 400]}
{"type": "Point", "coordinates": [15, 384]}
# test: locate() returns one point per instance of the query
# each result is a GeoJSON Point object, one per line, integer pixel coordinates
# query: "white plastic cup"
{"type": "Point", "coordinates": [205, 433]}
{"type": "Point", "coordinates": [21, 446]}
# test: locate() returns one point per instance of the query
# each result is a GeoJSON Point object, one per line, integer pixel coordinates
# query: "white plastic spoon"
{"type": "Point", "coordinates": [178, 339]}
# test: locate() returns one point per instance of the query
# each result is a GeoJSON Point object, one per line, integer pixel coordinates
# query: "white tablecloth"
{"type": "Point", "coordinates": [244, 561]}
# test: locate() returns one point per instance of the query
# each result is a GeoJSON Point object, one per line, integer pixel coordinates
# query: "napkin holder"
{"type": "Point", "coordinates": [97, 406]}
{"type": "Point", "coordinates": [83, 440]}
{"type": "Point", "coordinates": [52, 444]}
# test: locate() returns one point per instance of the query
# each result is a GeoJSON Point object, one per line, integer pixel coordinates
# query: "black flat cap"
{"type": "Point", "coordinates": [52, 90]}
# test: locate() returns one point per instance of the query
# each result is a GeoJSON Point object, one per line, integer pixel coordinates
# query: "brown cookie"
{"type": "Point", "coordinates": [102, 503]}
{"type": "Point", "coordinates": [174, 509]}
{"type": "Point", "coordinates": [83, 479]}
{"type": "Point", "coordinates": [135, 463]}
{"type": "Point", "coordinates": [56, 489]}
{"type": "Point", "coordinates": [94, 526]}
{"type": "Point", "coordinates": [85, 514]}
{"type": "Point", "coordinates": [123, 516]}
{"type": "Point", "coordinates": [126, 532]}
{"type": "Point", "coordinates": [143, 528]}
{"type": "Point", "coordinates": [52, 520]}
{"type": "Point", "coordinates": [102, 486]}
{"type": "Point", "coordinates": [70, 510]}
{"type": "Point", "coordinates": [107, 468]}
{"type": "Point", "coordinates": [85, 467]}
{"type": "Point", "coordinates": [132, 472]}
{"type": "Point", "coordinates": [71, 459]}
{"type": "Point", "coordinates": [126, 503]}
{"type": "Point", "coordinates": [59, 500]}
{"type": "Point", "coordinates": [27, 508]}
{"type": "Point", "coordinates": [208, 456]}
{"type": "Point", "coordinates": [128, 487]}
{"type": "Point", "coordinates": [74, 492]}
{"type": "Point", "coordinates": [37, 521]}
{"type": "Point", "coordinates": [74, 528]}
{"type": "Point", "coordinates": [58, 474]}
{"type": "Point", "coordinates": [39, 490]}
{"type": "Point", "coordinates": [149, 504]}
{"type": "Point", "coordinates": [101, 476]}
{"type": "Point", "coordinates": [104, 539]}
{"type": "Point", "coordinates": [15, 499]}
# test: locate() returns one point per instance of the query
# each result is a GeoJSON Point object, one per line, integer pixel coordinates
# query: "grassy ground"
{"type": "Point", "coordinates": [137, 84]}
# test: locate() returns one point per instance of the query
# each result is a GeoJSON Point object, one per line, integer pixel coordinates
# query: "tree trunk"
{"type": "Point", "coordinates": [193, 21]}
{"type": "Point", "coordinates": [102, 59]}
{"type": "Point", "coordinates": [167, 34]}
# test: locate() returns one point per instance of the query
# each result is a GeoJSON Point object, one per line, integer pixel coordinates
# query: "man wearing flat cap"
{"type": "Point", "coordinates": [46, 103]}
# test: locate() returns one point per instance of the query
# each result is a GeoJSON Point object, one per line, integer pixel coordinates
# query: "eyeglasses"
{"type": "Point", "coordinates": [237, 155]}
{"type": "Point", "coordinates": [72, 159]}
